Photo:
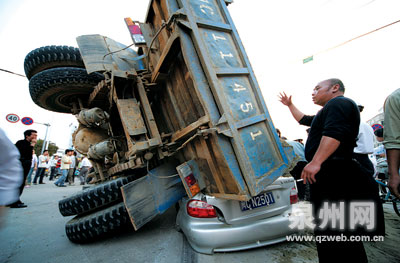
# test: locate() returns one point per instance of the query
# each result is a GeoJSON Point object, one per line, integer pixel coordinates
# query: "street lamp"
{"type": "Point", "coordinates": [45, 136]}
{"type": "Point", "coordinates": [72, 127]}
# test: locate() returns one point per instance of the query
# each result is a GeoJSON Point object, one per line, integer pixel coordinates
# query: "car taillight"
{"type": "Point", "coordinates": [200, 209]}
{"type": "Point", "coordinates": [293, 196]}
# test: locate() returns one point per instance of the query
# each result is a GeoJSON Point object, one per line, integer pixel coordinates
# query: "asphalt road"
{"type": "Point", "coordinates": [37, 234]}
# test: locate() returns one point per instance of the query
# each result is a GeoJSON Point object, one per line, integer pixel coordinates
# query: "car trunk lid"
{"type": "Point", "coordinates": [271, 202]}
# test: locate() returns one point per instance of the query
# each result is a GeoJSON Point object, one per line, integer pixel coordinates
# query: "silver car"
{"type": "Point", "coordinates": [218, 225]}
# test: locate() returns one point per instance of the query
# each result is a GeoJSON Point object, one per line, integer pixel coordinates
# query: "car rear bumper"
{"type": "Point", "coordinates": [208, 235]}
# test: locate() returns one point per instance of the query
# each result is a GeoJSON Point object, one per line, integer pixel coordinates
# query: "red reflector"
{"type": "Point", "coordinates": [190, 180]}
{"type": "Point", "coordinates": [294, 199]}
{"type": "Point", "coordinates": [293, 196]}
{"type": "Point", "coordinates": [200, 209]}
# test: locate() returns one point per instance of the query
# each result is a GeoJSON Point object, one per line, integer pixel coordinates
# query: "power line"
{"type": "Point", "coordinates": [12, 73]}
{"type": "Point", "coordinates": [310, 58]}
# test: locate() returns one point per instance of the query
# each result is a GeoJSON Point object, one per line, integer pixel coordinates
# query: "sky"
{"type": "Point", "coordinates": [277, 36]}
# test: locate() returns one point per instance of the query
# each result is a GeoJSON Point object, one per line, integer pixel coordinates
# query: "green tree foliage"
{"type": "Point", "coordinates": [52, 148]}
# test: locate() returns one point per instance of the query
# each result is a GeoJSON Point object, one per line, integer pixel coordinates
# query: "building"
{"type": "Point", "coordinates": [377, 119]}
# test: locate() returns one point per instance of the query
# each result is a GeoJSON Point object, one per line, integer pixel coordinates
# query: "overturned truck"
{"type": "Point", "coordinates": [181, 114]}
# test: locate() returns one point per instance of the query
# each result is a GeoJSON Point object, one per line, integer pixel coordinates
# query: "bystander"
{"type": "Point", "coordinates": [381, 166]}
{"type": "Point", "coordinates": [72, 168]}
{"type": "Point", "coordinates": [11, 173]}
{"type": "Point", "coordinates": [65, 162]}
{"type": "Point", "coordinates": [303, 189]}
{"type": "Point", "coordinates": [25, 148]}
{"type": "Point", "coordinates": [365, 146]}
{"type": "Point", "coordinates": [42, 166]}
{"type": "Point", "coordinates": [332, 174]}
{"type": "Point", "coordinates": [53, 164]}
{"type": "Point", "coordinates": [391, 135]}
{"type": "Point", "coordinates": [85, 166]}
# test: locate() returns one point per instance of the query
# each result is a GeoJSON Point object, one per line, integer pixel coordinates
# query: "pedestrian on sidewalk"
{"type": "Point", "coordinates": [58, 167]}
{"type": "Point", "coordinates": [43, 160]}
{"type": "Point", "coordinates": [53, 164]}
{"type": "Point", "coordinates": [85, 166]}
{"type": "Point", "coordinates": [72, 168]}
{"type": "Point", "coordinates": [65, 162]}
{"type": "Point", "coordinates": [25, 148]}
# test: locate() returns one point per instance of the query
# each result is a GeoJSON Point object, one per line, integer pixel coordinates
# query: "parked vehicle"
{"type": "Point", "coordinates": [181, 116]}
{"type": "Point", "coordinates": [218, 225]}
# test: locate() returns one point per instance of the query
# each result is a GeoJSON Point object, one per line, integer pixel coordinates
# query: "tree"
{"type": "Point", "coordinates": [52, 147]}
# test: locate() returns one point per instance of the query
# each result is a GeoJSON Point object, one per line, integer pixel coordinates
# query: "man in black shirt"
{"type": "Point", "coordinates": [25, 148]}
{"type": "Point", "coordinates": [333, 175]}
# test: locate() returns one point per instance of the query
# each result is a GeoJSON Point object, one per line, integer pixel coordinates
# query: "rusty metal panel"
{"type": "Point", "coordinates": [131, 116]}
{"type": "Point", "coordinates": [100, 53]}
{"type": "Point", "coordinates": [148, 114]}
{"type": "Point", "coordinates": [133, 125]}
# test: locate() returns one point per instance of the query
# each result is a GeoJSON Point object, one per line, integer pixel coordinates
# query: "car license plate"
{"type": "Point", "coordinates": [264, 199]}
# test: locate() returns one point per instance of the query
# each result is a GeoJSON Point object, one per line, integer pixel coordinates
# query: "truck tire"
{"type": "Point", "coordinates": [94, 197]}
{"type": "Point", "coordinates": [83, 229]}
{"type": "Point", "coordinates": [51, 57]}
{"type": "Point", "coordinates": [55, 89]}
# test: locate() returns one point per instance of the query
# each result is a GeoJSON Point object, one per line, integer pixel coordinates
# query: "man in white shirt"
{"type": "Point", "coordinates": [365, 146]}
{"type": "Point", "coordinates": [53, 163]}
{"type": "Point", "coordinates": [86, 165]}
{"type": "Point", "coordinates": [42, 165]}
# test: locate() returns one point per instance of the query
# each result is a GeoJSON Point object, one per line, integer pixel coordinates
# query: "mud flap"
{"type": "Point", "coordinates": [152, 195]}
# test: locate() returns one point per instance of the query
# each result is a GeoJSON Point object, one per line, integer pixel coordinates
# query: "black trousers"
{"type": "Point", "coordinates": [39, 174]}
{"type": "Point", "coordinates": [52, 173]}
{"type": "Point", "coordinates": [26, 166]}
{"type": "Point", "coordinates": [343, 251]}
{"type": "Point", "coordinates": [302, 188]}
{"type": "Point", "coordinates": [365, 163]}
{"type": "Point", "coordinates": [344, 181]}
